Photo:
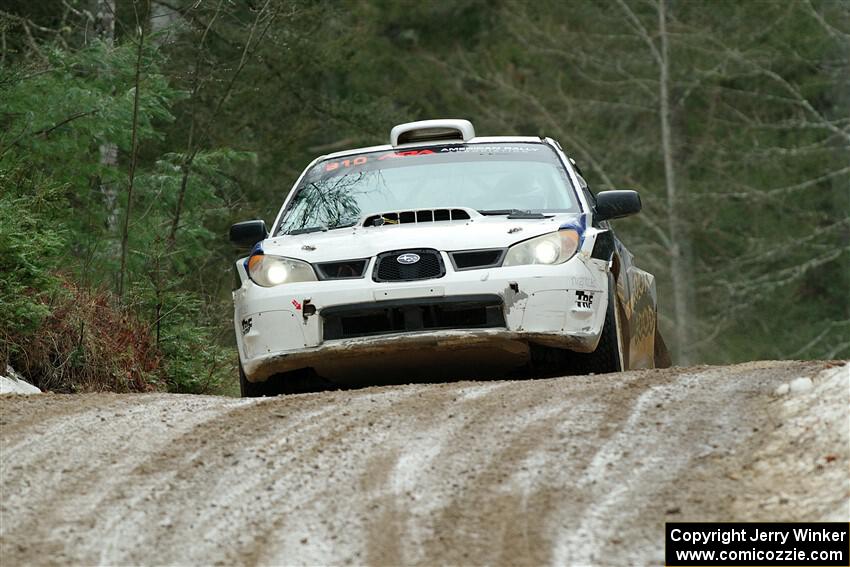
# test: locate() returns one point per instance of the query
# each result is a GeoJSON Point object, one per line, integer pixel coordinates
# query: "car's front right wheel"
{"type": "Point", "coordinates": [252, 389]}
{"type": "Point", "coordinates": [301, 381]}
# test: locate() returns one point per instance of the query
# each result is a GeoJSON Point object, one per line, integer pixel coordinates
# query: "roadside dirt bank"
{"type": "Point", "coordinates": [578, 470]}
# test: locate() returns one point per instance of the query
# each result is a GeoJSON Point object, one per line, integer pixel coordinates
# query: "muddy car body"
{"type": "Point", "coordinates": [441, 246]}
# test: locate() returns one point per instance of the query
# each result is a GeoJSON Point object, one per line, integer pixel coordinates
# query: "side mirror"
{"type": "Point", "coordinates": [617, 204]}
{"type": "Point", "coordinates": [246, 234]}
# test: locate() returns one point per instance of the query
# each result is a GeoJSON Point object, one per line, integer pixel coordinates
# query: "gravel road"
{"type": "Point", "coordinates": [577, 470]}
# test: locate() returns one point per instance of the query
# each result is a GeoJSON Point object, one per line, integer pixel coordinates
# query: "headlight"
{"type": "Point", "coordinates": [552, 248]}
{"type": "Point", "coordinates": [269, 271]}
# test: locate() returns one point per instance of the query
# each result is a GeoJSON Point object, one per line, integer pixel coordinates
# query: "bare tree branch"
{"type": "Point", "coordinates": [830, 29]}
{"type": "Point", "coordinates": [639, 27]}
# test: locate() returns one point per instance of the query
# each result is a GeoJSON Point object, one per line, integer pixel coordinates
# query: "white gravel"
{"type": "Point", "coordinates": [578, 470]}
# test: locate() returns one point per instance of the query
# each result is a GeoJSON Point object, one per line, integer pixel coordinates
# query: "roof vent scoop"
{"type": "Point", "coordinates": [445, 130]}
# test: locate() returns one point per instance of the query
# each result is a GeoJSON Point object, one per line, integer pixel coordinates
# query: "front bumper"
{"type": "Point", "coordinates": [297, 325]}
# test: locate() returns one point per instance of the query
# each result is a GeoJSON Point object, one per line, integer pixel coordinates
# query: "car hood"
{"type": "Point", "coordinates": [364, 242]}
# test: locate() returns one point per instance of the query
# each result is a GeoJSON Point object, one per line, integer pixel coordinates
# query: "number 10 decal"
{"type": "Point", "coordinates": [359, 160]}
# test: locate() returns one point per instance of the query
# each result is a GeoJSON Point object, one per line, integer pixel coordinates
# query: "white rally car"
{"type": "Point", "coordinates": [441, 250]}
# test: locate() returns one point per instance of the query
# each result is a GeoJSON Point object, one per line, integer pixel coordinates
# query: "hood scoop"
{"type": "Point", "coordinates": [416, 216]}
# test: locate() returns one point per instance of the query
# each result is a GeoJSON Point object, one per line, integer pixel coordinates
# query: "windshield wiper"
{"type": "Point", "coordinates": [344, 224]}
{"type": "Point", "coordinates": [307, 230]}
{"type": "Point", "coordinates": [513, 213]}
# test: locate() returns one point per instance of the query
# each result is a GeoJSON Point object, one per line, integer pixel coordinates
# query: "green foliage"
{"type": "Point", "coordinates": [175, 281]}
{"type": "Point", "coordinates": [193, 364]}
{"type": "Point", "coordinates": [57, 116]}
{"type": "Point", "coordinates": [58, 113]}
{"type": "Point", "coordinates": [29, 246]}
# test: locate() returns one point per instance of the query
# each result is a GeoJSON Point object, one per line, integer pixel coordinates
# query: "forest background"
{"type": "Point", "coordinates": [133, 133]}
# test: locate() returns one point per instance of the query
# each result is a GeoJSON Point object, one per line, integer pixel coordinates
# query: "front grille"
{"type": "Point", "coordinates": [476, 259]}
{"type": "Point", "coordinates": [410, 315]}
{"type": "Point", "coordinates": [344, 270]}
{"type": "Point", "coordinates": [389, 269]}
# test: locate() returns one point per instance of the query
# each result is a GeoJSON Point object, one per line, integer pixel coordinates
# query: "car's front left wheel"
{"type": "Point", "coordinates": [608, 356]}
{"type": "Point", "coordinates": [610, 351]}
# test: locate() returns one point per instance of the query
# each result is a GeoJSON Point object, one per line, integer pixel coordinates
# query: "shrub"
{"type": "Point", "coordinates": [194, 358]}
{"type": "Point", "coordinates": [88, 344]}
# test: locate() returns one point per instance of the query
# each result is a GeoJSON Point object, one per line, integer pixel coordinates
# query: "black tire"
{"type": "Point", "coordinates": [663, 359]}
{"type": "Point", "coordinates": [251, 389]}
{"type": "Point", "coordinates": [300, 381]}
{"type": "Point", "coordinates": [605, 359]}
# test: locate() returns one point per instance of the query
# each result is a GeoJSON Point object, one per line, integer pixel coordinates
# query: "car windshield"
{"type": "Point", "coordinates": [493, 178]}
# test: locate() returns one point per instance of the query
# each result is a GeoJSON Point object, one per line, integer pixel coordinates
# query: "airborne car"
{"type": "Point", "coordinates": [440, 248]}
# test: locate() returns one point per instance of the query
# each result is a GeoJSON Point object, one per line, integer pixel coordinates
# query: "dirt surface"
{"type": "Point", "coordinates": [579, 470]}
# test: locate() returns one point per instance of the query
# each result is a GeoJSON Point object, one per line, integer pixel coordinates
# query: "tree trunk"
{"type": "Point", "coordinates": [134, 150]}
{"type": "Point", "coordinates": [678, 264]}
{"type": "Point", "coordinates": [105, 30]}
